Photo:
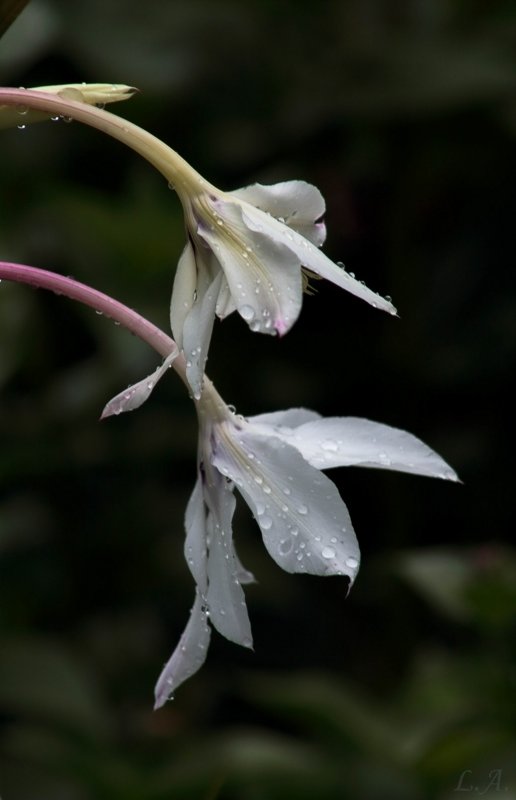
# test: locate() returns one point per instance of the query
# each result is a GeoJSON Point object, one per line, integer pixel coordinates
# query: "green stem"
{"type": "Point", "coordinates": [184, 179]}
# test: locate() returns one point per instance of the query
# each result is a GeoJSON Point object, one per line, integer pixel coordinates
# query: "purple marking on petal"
{"type": "Point", "coordinates": [281, 327]}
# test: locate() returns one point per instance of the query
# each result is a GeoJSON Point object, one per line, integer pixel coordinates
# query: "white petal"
{"type": "Point", "coordinates": [352, 441]}
{"type": "Point", "coordinates": [263, 276]}
{"type": "Point", "coordinates": [196, 534]}
{"type": "Point", "coordinates": [305, 525]}
{"type": "Point", "coordinates": [188, 657]}
{"type": "Point", "coordinates": [291, 418]}
{"type": "Point", "coordinates": [296, 203]}
{"type": "Point", "coordinates": [183, 292]}
{"type": "Point", "coordinates": [310, 256]}
{"type": "Point", "coordinates": [134, 396]}
{"type": "Point", "coordinates": [197, 330]}
{"type": "Point", "coordinates": [225, 597]}
{"type": "Point", "coordinates": [243, 575]}
{"type": "Point", "coordinates": [225, 303]}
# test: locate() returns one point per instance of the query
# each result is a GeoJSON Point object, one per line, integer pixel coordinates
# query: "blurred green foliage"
{"type": "Point", "coordinates": [403, 113]}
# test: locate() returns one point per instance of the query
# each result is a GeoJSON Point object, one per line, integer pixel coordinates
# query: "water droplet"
{"type": "Point", "coordinates": [247, 312]}
{"type": "Point", "coordinates": [384, 459]}
{"type": "Point", "coordinates": [330, 446]}
{"type": "Point", "coordinates": [303, 510]}
{"type": "Point", "coordinates": [285, 546]}
{"type": "Point", "coordinates": [328, 552]}
{"type": "Point", "coordinates": [351, 562]}
{"type": "Point", "coordinates": [267, 489]}
{"type": "Point", "coordinates": [265, 523]}
{"type": "Point", "coordinates": [21, 127]}
{"type": "Point", "coordinates": [260, 509]}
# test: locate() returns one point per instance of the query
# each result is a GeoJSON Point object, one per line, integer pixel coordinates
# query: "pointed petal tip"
{"type": "Point", "coordinates": [451, 475]}
{"type": "Point", "coordinates": [160, 701]}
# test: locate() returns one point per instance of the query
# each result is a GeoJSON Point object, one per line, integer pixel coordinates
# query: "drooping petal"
{"type": "Point", "coordinates": [134, 396]}
{"type": "Point", "coordinates": [197, 330]}
{"type": "Point", "coordinates": [352, 441]}
{"type": "Point", "coordinates": [189, 655]}
{"type": "Point", "coordinates": [183, 292]}
{"type": "Point", "coordinates": [291, 418]}
{"type": "Point", "coordinates": [263, 276]}
{"type": "Point", "coordinates": [305, 525]}
{"type": "Point", "coordinates": [310, 256]}
{"type": "Point", "coordinates": [243, 575]}
{"type": "Point", "coordinates": [196, 553]}
{"type": "Point", "coordinates": [225, 597]}
{"type": "Point", "coordinates": [225, 303]}
{"type": "Point", "coordinates": [296, 203]}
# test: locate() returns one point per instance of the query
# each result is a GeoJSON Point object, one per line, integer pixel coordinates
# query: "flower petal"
{"type": "Point", "coordinates": [196, 552]}
{"type": "Point", "coordinates": [197, 330]}
{"type": "Point", "coordinates": [225, 597]}
{"type": "Point", "coordinates": [263, 276]}
{"type": "Point", "coordinates": [310, 256]}
{"type": "Point", "coordinates": [183, 292]}
{"type": "Point", "coordinates": [305, 525]}
{"type": "Point", "coordinates": [291, 418]}
{"type": "Point", "coordinates": [225, 303]}
{"type": "Point", "coordinates": [189, 655]}
{"type": "Point", "coordinates": [134, 396]}
{"type": "Point", "coordinates": [296, 203]}
{"type": "Point", "coordinates": [352, 441]}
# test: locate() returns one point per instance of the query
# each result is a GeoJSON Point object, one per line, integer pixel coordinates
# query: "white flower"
{"type": "Point", "coordinates": [274, 460]}
{"type": "Point", "coordinates": [245, 252]}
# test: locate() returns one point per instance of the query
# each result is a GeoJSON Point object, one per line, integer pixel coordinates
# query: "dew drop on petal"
{"type": "Point", "coordinates": [351, 562]}
{"type": "Point", "coordinates": [329, 446]}
{"type": "Point", "coordinates": [302, 510]}
{"type": "Point", "coordinates": [247, 312]}
{"type": "Point", "coordinates": [265, 522]}
{"type": "Point", "coordinates": [328, 552]}
{"type": "Point", "coordinates": [285, 546]}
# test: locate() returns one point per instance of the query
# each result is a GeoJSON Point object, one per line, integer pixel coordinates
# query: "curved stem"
{"type": "Point", "coordinates": [103, 303]}
{"type": "Point", "coordinates": [185, 180]}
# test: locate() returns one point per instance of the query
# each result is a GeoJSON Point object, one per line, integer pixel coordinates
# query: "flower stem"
{"type": "Point", "coordinates": [185, 180]}
{"type": "Point", "coordinates": [69, 287]}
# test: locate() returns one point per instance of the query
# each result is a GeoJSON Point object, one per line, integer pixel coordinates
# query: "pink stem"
{"type": "Point", "coordinates": [134, 322]}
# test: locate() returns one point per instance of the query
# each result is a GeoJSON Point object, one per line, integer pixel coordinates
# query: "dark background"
{"type": "Point", "coordinates": [404, 114]}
